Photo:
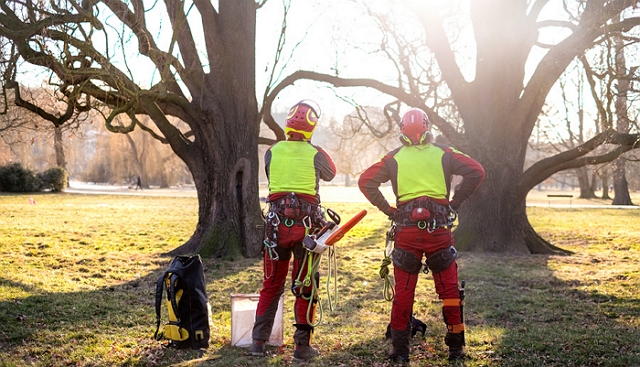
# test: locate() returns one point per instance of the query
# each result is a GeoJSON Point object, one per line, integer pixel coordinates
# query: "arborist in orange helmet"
{"type": "Point", "coordinates": [420, 173]}
{"type": "Point", "coordinates": [294, 168]}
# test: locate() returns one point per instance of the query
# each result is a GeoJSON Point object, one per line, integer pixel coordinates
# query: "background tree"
{"type": "Point", "coordinates": [498, 94]}
{"type": "Point", "coordinates": [203, 74]}
{"type": "Point", "coordinates": [64, 114]}
{"type": "Point", "coordinates": [361, 138]}
{"type": "Point", "coordinates": [624, 77]}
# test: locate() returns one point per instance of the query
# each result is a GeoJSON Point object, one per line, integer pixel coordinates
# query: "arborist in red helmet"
{"type": "Point", "coordinates": [293, 167]}
{"type": "Point", "coordinates": [420, 174]}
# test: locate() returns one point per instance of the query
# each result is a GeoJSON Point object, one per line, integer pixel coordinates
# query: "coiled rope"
{"type": "Point", "coordinates": [388, 292]}
{"type": "Point", "coordinates": [312, 261]}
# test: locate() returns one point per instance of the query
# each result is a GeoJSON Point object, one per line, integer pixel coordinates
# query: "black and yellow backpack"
{"type": "Point", "coordinates": [187, 304]}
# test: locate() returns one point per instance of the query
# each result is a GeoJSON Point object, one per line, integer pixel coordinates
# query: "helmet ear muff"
{"type": "Point", "coordinates": [425, 138]}
{"type": "Point", "coordinates": [405, 140]}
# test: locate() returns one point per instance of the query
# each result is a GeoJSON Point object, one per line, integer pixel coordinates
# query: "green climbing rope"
{"type": "Point", "coordinates": [388, 291]}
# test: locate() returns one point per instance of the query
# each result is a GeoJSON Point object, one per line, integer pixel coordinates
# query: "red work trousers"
{"type": "Point", "coordinates": [275, 275]}
{"type": "Point", "coordinates": [420, 242]}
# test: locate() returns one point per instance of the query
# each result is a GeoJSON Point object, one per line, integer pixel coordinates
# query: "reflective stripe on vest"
{"type": "Point", "coordinates": [292, 168]}
{"type": "Point", "coordinates": [420, 172]}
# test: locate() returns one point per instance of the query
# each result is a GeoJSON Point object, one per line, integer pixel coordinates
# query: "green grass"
{"type": "Point", "coordinates": [78, 273]}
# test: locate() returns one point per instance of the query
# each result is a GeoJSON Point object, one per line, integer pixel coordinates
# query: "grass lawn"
{"type": "Point", "coordinates": [78, 274]}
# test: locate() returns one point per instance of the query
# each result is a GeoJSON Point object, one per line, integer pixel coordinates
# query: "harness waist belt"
{"type": "Point", "coordinates": [424, 213]}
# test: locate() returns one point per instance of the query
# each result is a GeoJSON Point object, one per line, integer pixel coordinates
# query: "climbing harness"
{"type": "Point", "coordinates": [426, 214]}
{"type": "Point", "coordinates": [320, 235]}
{"type": "Point", "coordinates": [289, 210]}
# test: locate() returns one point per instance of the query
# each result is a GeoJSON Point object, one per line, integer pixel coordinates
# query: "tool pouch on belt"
{"type": "Point", "coordinates": [406, 261]}
{"type": "Point", "coordinates": [440, 260]}
{"type": "Point", "coordinates": [425, 213]}
{"type": "Point", "coordinates": [418, 214]}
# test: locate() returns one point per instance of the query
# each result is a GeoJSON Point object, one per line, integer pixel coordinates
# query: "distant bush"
{"type": "Point", "coordinates": [16, 178]}
{"type": "Point", "coordinates": [54, 179]}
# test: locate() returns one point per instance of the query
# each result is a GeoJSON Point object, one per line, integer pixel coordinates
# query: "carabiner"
{"type": "Point", "coordinates": [423, 224]}
{"type": "Point", "coordinates": [433, 227]}
{"type": "Point", "coordinates": [270, 246]}
{"type": "Point", "coordinates": [306, 221]}
{"type": "Point", "coordinates": [289, 222]}
{"type": "Point", "coordinates": [274, 218]}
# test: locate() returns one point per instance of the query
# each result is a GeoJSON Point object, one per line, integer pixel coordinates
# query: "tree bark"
{"type": "Point", "coordinates": [136, 161]}
{"type": "Point", "coordinates": [620, 185]}
{"type": "Point", "coordinates": [605, 184]}
{"type": "Point", "coordinates": [495, 219]}
{"type": "Point", "coordinates": [586, 192]}
{"type": "Point", "coordinates": [59, 147]}
{"type": "Point", "coordinates": [229, 221]}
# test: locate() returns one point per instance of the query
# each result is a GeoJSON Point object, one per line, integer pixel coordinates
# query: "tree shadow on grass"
{"type": "Point", "coordinates": [547, 321]}
{"type": "Point", "coordinates": [111, 325]}
{"type": "Point", "coordinates": [518, 313]}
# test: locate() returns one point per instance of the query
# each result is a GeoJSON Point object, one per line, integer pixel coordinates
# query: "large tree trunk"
{"type": "Point", "coordinates": [224, 163]}
{"type": "Point", "coordinates": [223, 158]}
{"type": "Point", "coordinates": [229, 220]}
{"type": "Point", "coordinates": [495, 218]}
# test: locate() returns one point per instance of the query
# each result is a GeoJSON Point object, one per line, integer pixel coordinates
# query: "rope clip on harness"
{"type": "Point", "coordinates": [388, 292]}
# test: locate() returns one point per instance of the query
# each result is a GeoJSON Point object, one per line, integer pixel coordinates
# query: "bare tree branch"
{"type": "Point", "coordinates": [576, 157]}
{"type": "Point", "coordinates": [399, 93]}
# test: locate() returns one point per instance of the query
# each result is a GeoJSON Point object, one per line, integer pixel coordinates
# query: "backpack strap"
{"type": "Point", "coordinates": [171, 292]}
{"type": "Point", "coordinates": [159, 291]}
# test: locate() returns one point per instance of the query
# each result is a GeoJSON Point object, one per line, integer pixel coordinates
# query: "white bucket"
{"type": "Point", "coordinates": [243, 316]}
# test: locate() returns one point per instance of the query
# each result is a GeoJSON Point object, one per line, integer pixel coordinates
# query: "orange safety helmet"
{"type": "Point", "coordinates": [302, 120]}
{"type": "Point", "coordinates": [414, 127]}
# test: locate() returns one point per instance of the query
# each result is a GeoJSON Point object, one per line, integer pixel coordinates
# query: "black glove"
{"type": "Point", "coordinates": [454, 205]}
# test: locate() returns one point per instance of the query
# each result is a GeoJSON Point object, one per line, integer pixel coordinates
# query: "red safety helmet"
{"type": "Point", "coordinates": [414, 127]}
{"type": "Point", "coordinates": [302, 120]}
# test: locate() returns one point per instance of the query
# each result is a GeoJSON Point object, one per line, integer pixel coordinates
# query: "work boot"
{"type": "Point", "coordinates": [399, 359]}
{"type": "Point", "coordinates": [257, 348]}
{"type": "Point", "coordinates": [455, 341]}
{"type": "Point", "coordinates": [400, 342]}
{"type": "Point", "coordinates": [304, 353]}
{"type": "Point", "coordinates": [456, 353]}
{"type": "Point", "coordinates": [302, 339]}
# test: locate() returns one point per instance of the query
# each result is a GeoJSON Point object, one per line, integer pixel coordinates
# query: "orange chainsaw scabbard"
{"type": "Point", "coordinates": [337, 236]}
